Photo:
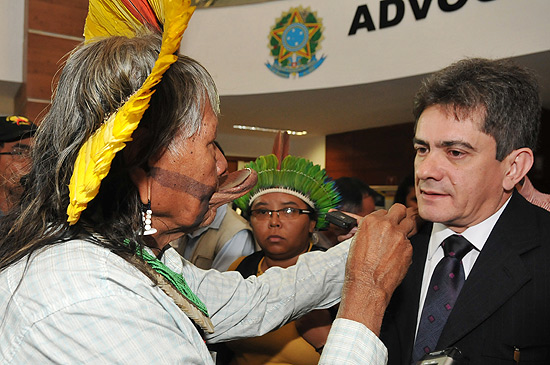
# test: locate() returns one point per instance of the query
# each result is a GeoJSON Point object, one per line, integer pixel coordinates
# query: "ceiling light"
{"type": "Point", "coordinates": [270, 130]}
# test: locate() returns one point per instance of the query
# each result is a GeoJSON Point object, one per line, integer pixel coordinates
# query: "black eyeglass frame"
{"type": "Point", "coordinates": [300, 211]}
{"type": "Point", "coordinates": [14, 153]}
{"type": "Point", "coordinates": [18, 150]}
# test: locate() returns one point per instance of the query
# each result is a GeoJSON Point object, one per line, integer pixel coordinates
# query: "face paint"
{"type": "Point", "coordinates": [179, 182]}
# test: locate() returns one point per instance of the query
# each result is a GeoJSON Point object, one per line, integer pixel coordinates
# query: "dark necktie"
{"type": "Point", "coordinates": [447, 280]}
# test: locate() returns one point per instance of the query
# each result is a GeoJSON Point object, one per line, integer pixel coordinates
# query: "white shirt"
{"type": "Point", "coordinates": [477, 235]}
{"type": "Point", "coordinates": [77, 302]}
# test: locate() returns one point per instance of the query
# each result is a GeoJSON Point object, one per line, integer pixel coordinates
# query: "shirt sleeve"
{"type": "Point", "coordinates": [251, 307]}
{"type": "Point", "coordinates": [241, 244]}
{"type": "Point", "coordinates": [351, 342]}
{"type": "Point", "coordinates": [254, 306]}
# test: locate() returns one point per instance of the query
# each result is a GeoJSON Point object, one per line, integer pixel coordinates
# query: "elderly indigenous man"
{"type": "Point", "coordinates": [480, 278]}
{"type": "Point", "coordinates": [16, 134]}
{"type": "Point", "coordinates": [86, 271]}
{"type": "Point", "coordinates": [217, 245]}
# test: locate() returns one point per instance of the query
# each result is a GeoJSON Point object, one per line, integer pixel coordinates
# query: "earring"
{"type": "Point", "coordinates": [146, 214]}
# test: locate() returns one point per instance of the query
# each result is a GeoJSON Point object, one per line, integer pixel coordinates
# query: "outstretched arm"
{"type": "Point", "coordinates": [378, 259]}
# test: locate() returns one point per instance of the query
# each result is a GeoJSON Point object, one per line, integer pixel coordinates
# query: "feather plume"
{"type": "Point", "coordinates": [108, 18]}
{"type": "Point", "coordinates": [296, 176]}
{"type": "Point", "coordinates": [281, 146]}
{"type": "Point", "coordinates": [142, 10]}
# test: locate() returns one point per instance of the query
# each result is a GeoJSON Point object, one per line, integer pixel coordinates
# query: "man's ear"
{"type": "Point", "coordinates": [141, 180]}
{"type": "Point", "coordinates": [518, 163]}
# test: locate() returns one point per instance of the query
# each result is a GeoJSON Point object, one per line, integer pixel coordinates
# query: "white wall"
{"type": "Point", "coordinates": [12, 26]}
{"type": "Point", "coordinates": [12, 42]}
{"type": "Point", "coordinates": [312, 148]}
{"type": "Point", "coordinates": [232, 42]}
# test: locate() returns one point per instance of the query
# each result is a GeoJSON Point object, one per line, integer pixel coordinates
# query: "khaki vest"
{"type": "Point", "coordinates": [212, 241]}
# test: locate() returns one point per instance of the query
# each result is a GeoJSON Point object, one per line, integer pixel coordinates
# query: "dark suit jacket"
{"type": "Point", "coordinates": [504, 303]}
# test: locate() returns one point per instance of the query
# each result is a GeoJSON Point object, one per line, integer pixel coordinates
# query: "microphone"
{"type": "Point", "coordinates": [449, 356]}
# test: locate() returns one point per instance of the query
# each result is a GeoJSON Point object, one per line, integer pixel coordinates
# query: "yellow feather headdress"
{"type": "Point", "coordinates": [124, 18]}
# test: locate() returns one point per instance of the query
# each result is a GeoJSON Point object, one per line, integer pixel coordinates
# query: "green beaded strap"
{"type": "Point", "coordinates": [171, 283]}
{"type": "Point", "coordinates": [176, 279]}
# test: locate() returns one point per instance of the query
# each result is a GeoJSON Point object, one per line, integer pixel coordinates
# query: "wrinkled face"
{"type": "Point", "coordinates": [459, 181]}
{"type": "Point", "coordinates": [279, 238]}
{"type": "Point", "coordinates": [184, 179]}
{"type": "Point", "coordinates": [14, 164]}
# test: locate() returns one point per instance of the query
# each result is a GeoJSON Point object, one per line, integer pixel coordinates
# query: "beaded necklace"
{"type": "Point", "coordinates": [174, 285]}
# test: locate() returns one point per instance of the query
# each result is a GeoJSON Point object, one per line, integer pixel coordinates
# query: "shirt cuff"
{"type": "Point", "coordinates": [351, 342]}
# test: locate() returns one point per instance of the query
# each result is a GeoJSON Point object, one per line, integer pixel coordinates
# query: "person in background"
{"type": "Point", "coordinates": [16, 139]}
{"type": "Point", "coordinates": [124, 163]}
{"type": "Point", "coordinates": [356, 197]}
{"type": "Point", "coordinates": [216, 246]}
{"type": "Point", "coordinates": [405, 193]}
{"type": "Point", "coordinates": [480, 276]}
{"type": "Point", "coordinates": [284, 209]}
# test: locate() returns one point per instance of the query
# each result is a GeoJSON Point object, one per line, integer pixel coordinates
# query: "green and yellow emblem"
{"type": "Point", "coordinates": [294, 41]}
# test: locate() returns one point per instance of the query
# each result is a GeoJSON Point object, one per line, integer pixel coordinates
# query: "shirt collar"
{"type": "Point", "coordinates": [477, 235]}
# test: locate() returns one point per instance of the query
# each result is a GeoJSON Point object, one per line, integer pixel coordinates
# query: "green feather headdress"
{"type": "Point", "coordinates": [296, 176]}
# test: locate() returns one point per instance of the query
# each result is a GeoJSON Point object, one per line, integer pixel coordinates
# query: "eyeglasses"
{"type": "Point", "coordinates": [284, 213]}
{"type": "Point", "coordinates": [17, 152]}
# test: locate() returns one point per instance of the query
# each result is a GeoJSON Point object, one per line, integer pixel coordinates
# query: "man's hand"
{"type": "Point", "coordinates": [411, 213]}
{"type": "Point", "coordinates": [379, 257]}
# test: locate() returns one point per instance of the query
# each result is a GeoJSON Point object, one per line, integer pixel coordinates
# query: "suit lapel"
{"type": "Point", "coordinates": [499, 262]}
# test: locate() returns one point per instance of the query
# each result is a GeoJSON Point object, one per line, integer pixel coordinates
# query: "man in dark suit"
{"type": "Point", "coordinates": [477, 124]}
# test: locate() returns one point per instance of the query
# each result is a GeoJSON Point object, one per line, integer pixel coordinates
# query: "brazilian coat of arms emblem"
{"type": "Point", "coordinates": [294, 41]}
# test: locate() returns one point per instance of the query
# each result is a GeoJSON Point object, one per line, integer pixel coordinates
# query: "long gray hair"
{"type": "Point", "coordinates": [97, 79]}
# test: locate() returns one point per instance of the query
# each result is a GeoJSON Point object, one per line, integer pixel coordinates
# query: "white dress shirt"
{"type": "Point", "coordinates": [477, 235]}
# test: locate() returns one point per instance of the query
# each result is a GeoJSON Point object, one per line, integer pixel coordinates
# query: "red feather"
{"type": "Point", "coordinates": [143, 12]}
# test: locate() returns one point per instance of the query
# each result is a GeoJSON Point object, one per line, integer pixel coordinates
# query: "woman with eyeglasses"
{"type": "Point", "coordinates": [287, 204]}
